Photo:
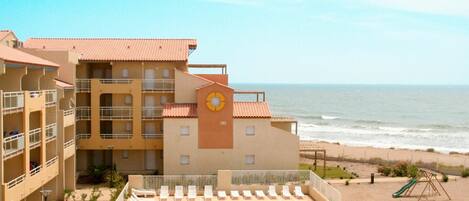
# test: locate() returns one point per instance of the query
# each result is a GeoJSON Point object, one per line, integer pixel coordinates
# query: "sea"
{"type": "Point", "coordinates": [386, 116]}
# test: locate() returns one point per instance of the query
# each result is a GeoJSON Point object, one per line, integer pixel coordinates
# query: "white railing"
{"type": "Point", "coordinates": [69, 112]}
{"type": "Point", "coordinates": [69, 143]}
{"type": "Point", "coordinates": [13, 144]}
{"type": "Point", "coordinates": [153, 112]}
{"type": "Point", "coordinates": [116, 136]}
{"type": "Point", "coordinates": [158, 84]}
{"type": "Point", "coordinates": [34, 137]}
{"type": "Point", "coordinates": [51, 131]}
{"type": "Point", "coordinates": [152, 135]}
{"type": "Point", "coordinates": [16, 181]}
{"type": "Point", "coordinates": [51, 161]}
{"type": "Point", "coordinates": [123, 193]}
{"type": "Point", "coordinates": [156, 181]}
{"type": "Point", "coordinates": [269, 177]}
{"type": "Point", "coordinates": [331, 193]}
{"type": "Point", "coordinates": [83, 136]}
{"type": "Point", "coordinates": [115, 81]}
{"type": "Point", "coordinates": [83, 85]}
{"type": "Point", "coordinates": [115, 112]}
{"type": "Point", "coordinates": [35, 94]}
{"type": "Point", "coordinates": [83, 113]}
{"type": "Point", "coordinates": [35, 170]}
{"type": "Point", "coordinates": [13, 100]}
{"type": "Point", "coordinates": [51, 97]}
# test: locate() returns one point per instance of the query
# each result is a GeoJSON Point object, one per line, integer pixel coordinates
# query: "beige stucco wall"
{"type": "Point", "coordinates": [273, 148]}
{"type": "Point", "coordinates": [9, 40]}
{"type": "Point", "coordinates": [185, 87]}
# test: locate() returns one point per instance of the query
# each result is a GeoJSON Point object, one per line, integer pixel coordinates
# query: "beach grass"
{"type": "Point", "coordinates": [331, 172]}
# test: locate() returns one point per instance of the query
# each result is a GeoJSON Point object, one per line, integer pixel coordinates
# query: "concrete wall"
{"type": "Point", "coordinates": [186, 85]}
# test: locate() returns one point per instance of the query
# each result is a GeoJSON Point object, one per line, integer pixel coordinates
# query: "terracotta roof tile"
{"type": "Point", "coordinates": [16, 56]}
{"type": "Point", "coordinates": [240, 110]}
{"type": "Point", "coordinates": [118, 49]}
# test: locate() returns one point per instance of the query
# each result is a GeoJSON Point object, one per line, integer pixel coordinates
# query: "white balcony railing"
{"type": "Point", "coordinates": [51, 161]}
{"type": "Point", "coordinates": [16, 181]}
{"type": "Point", "coordinates": [69, 143]}
{"type": "Point", "coordinates": [51, 132]}
{"type": "Point", "coordinates": [35, 170]}
{"type": "Point", "coordinates": [13, 145]}
{"type": "Point", "coordinates": [83, 136]}
{"type": "Point", "coordinates": [83, 113]}
{"type": "Point", "coordinates": [152, 112]}
{"type": "Point", "coordinates": [158, 84]}
{"type": "Point", "coordinates": [83, 85]}
{"type": "Point", "coordinates": [34, 138]}
{"type": "Point", "coordinates": [152, 136]}
{"type": "Point", "coordinates": [51, 97]}
{"type": "Point", "coordinates": [35, 94]}
{"type": "Point", "coordinates": [116, 113]}
{"type": "Point", "coordinates": [115, 81]}
{"type": "Point", "coordinates": [13, 101]}
{"type": "Point", "coordinates": [116, 136]}
{"type": "Point", "coordinates": [69, 112]}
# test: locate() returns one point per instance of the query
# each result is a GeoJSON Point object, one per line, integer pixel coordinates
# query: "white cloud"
{"type": "Point", "coordinates": [439, 7]}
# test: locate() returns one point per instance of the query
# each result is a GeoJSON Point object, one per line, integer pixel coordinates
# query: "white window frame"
{"type": "Point", "coordinates": [184, 131]}
{"type": "Point", "coordinates": [125, 73]}
{"type": "Point", "coordinates": [250, 159]}
{"type": "Point", "coordinates": [250, 130]}
{"type": "Point", "coordinates": [184, 160]}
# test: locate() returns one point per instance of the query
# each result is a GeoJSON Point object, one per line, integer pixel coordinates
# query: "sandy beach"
{"type": "Point", "coordinates": [343, 151]}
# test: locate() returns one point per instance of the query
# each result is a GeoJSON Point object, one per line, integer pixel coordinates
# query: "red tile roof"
{"type": "Point", "coordinates": [119, 49]}
{"type": "Point", "coordinates": [12, 55]}
{"type": "Point", "coordinates": [63, 84]}
{"type": "Point", "coordinates": [240, 110]}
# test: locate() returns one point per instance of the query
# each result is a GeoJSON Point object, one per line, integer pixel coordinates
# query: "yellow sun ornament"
{"type": "Point", "coordinates": [215, 101]}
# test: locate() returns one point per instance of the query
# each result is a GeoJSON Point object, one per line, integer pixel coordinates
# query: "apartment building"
{"type": "Point", "coordinates": [37, 123]}
{"type": "Point", "coordinates": [139, 108]}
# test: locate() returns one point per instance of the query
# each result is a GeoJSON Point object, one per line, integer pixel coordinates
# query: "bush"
{"type": "Point", "coordinates": [114, 179]}
{"type": "Point", "coordinates": [97, 173]}
{"type": "Point", "coordinates": [445, 178]}
{"type": "Point", "coordinates": [430, 150]}
{"type": "Point", "coordinates": [412, 171]}
{"type": "Point", "coordinates": [385, 170]}
{"type": "Point", "coordinates": [465, 173]}
{"type": "Point", "coordinates": [400, 170]}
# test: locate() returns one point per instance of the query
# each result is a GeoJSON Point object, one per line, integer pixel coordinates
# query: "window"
{"type": "Point", "coordinates": [249, 159]}
{"type": "Point", "coordinates": [250, 130]}
{"type": "Point", "coordinates": [128, 126]}
{"type": "Point", "coordinates": [125, 154]}
{"type": "Point", "coordinates": [128, 100]}
{"type": "Point", "coordinates": [184, 160]}
{"type": "Point", "coordinates": [125, 73]}
{"type": "Point", "coordinates": [163, 100]}
{"type": "Point", "coordinates": [184, 130]}
{"type": "Point", "coordinates": [165, 73]}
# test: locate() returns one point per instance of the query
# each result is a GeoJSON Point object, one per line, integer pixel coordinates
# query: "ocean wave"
{"type": "Point", "coordinates": [328, 117]}
{"type": "Point", "coordinates": [369, 121]}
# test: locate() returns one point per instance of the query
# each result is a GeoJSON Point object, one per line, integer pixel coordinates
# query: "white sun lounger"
{"type": "Point", "coordinates": [271, 192]}
{"type": "Point", "coordinates": [134, 197]}
{"type": "Point", "coordinates": [164, 192]}
{"type": "Point", "coordinates": [179, 192]}
{"type": "Point", "coordinates": [260, 194]}
{"type": "Point", "coordinates": [144, 192]}
{"type": "Point", "coordinates": [208, 192]}
{"type": "Point", "coordinates": [191, 192]}
{"type": "Point", "coordinates": [221, 195]}
{"type": "Point", "coordinates": [247, 194]}
{"type": "Point", "coordinates": [286, 192]}
{"type": "Point", "coordinates": [298, 192]}
{"type": "Point", "coordinates": [234, 194]}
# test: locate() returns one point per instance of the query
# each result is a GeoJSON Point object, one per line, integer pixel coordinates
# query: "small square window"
{"type": "Point", "coordinates": [250, 130]}
{"type": "Point", "coordinates": [165, 73]}
{"type": "Point", "coordinates": [163, 100]}
{"type": "Point", "coordinates": [125, 73]}
{"type": "Point", "coordinates": [184, 160]}
{"type": "Point", "coordinates": [128, 126]}
{"type": "Point", "coordinates": [249, 159]}
{"type": "Point", "coordinates": [128, 100]}
{"type": "Point", "coordinates": [184, 130]}
{"type": "Point", "coordinates": [125, 154]}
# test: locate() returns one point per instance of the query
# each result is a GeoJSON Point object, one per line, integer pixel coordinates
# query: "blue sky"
{"type": "Point", "coordinates": [279, 41]}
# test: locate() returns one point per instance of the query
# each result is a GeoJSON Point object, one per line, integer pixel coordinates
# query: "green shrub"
{"type": "Point", "coordinates": [400, 170]}
{"type": "Point", "coordinates": [430, 150]}
{"type": "Point", "coordinates": [114, 179]}
{"type": "Point", "coordinates": [385, 170]}
{"type": "Point", "coordinates": [412, 171]}
{"type": "Point", "coordinates": [445, 178]}
{"type": "Point", "coordinates": [465, 173]}
{"type": "Point", "coordinates": [97, 173]}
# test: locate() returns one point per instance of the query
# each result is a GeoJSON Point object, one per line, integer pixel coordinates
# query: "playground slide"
{"type": "Point", "coordinates": [404, 188]}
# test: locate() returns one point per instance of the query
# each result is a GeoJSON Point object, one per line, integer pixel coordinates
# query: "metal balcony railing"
{"type": "Point", "coordinates": [51, 161]}
{"type": "Point", "coordinates": [51, 132]}
{"type": "Point", "coordinates": [152, 135]}
{"type": "Point", "coordinates": [115, 81]}
{"type": "Point", "coordinates": [116, 113]}
{"type": "Point", "coordinates": [116, 136]}
{"type": "Point", "coordinates": [83, 136]}
{"type": "Point", "coordinates": [34, 138]}
{"type": "Point", "coordinates": [13, 101]}
{"type": "Point", "coordinates": [69, 143]}
{"type": "Point", "coordinates": [83, 113]}
{"type": "Point", "coordinates": [158, 84]}
{"type": "Point", "coordinates": [152, 112]}
{"type": "Point", "coordinates": [35, 170]}
{"type": "Point", "coordinates": [69, 112]}
{"type": "Point", "coordinates": [83, 85]}
{"type": "Point", "coordinates": [16, 181]}
{"type": "Point", "coordinates": [13, 145]}
{"type": "Point", "coordinates": [51, 97]}
{"type": "Point", "coordinates": [35, 94]}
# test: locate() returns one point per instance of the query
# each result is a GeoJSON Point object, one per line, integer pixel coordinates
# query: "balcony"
{"type": "Point", "coordinates": [13, 102]}
{"type": "Point", "coordinates": [149, 113]}
{"type": "Point", "coordinates": [158, 85]}
{"type": "Point", "coordinates": [83, 86]}
{"type": "Point", "coordinates": [69, 148]}
{"type": "Point", "coordinates": [83, 113]}
{"type": "Point", "coordinates": [16, 181]}
{"type": "Point", "coordinates": [69, 117]}
{"type": "Point", "coordinates": [115, 81]}
{"type": "Point", "coordinates": [81, 136]}
{"type": "Point", "coordinates": [116, 113]}
{"type": "Point", "coordinates": [35, 170]}
{"type": "Point", "coordinates": [13, 145]}
{"type": "Point", "coordinates": [152, 135]}
{"type": "Point", "coordinates": [34, 138]}
{"type": "Point", "coordinates": [51, 97]}
{"type": "Point", "coordinates": [51, 132]}
{"type": "Point", "coordinates": [116, 136]}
